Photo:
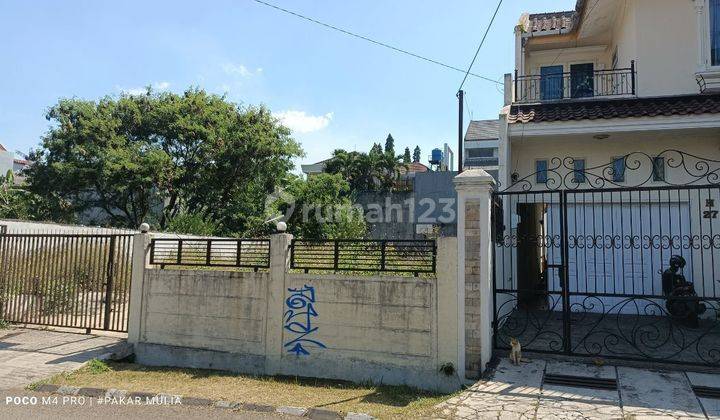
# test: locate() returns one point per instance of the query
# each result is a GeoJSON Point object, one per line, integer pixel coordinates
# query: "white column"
{"type": "Point", "coordinates": [703, 35]}
{"type": "Point", "coordinates": [275, 298]}
{"type": "Point", "coordinates": [140, 249]}
{"type": "Point", "coordinates": [475, 265]}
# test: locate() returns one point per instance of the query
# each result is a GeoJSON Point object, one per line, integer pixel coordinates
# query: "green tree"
{"type": "Point", "coordinates": [322, 209]}
{"type": "Point", "coordinates": [365, 171]}
{"type": "Point", "coordinates": [155, 156]}
{"type": "Point", "coordinates": [15, 202]}
{"type": "Point", "coordinates": [376, 149]}
{"type": "Point", "coordinates": [416, 154]}
{"type": "Point", "coordinates": [406, 156]}
{"type": "Point", "coordinates": [390, 145]}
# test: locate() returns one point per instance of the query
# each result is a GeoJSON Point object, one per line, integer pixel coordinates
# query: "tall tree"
{"type": "Point", "coordinates": [390, 145]}
{"type": "Point", "coordinates": [364, 171]}
{"type": "Point", "coordinates": [416, 154]}
{"type": "Point", "coordinates": [155, 156]}
{"type": "Point", "coordinates": [321, 208]}
{"type": "Point", "coordinates": [376, 149]}
{"type": "Point", "coordinates": [406, 156]}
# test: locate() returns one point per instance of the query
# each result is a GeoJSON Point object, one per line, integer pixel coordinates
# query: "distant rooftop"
{"type": "Point", "coordinates": [483, 130]}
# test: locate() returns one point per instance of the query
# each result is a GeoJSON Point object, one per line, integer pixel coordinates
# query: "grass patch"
{"type": "Point", "coordinates": [4, 324]}
{"type": "Point", "coordinates": [381, 401]}
{"type": "Point", "coordinates": [96, 366]}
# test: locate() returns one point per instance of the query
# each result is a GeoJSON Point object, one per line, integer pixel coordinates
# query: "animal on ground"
{"type": "Point", "coordinates": [515, 351]}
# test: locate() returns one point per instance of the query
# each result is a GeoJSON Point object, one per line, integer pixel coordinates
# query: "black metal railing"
{"type": "Point", "coordinates": [242, 253]}
{"type": "Point", "coordinates": [575, 85]}
{"type": "Point", "coordinates": [66, 280]}
{"type": "Point", "coordinates": [398, 256]}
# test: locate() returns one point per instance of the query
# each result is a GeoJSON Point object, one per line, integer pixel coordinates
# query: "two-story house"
{"type": "Point", "coordinates": [609, 166]}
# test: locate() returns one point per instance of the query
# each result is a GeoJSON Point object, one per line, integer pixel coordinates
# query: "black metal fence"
{"type": "Point", "coordinates": [67, 280]}
{"type": "Point", "coordinates": [398, 256]}
{"type": "Point", "coordinates": [573, 85]}
{"type": "Point", "coordinates": [241, 253]}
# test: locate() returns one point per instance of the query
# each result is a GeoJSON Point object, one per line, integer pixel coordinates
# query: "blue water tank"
{"type": "Point", "coordinates": [436, 156]}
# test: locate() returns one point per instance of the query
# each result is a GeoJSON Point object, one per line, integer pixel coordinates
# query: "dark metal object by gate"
{"type": "Point", "coordinates": [66, 280]}
{"type": "Point", "coordinates": [578, 266]}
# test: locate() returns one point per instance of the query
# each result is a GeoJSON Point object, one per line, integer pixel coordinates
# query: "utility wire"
{"type": "Point", "coordinates": [497, 9]}
{"type": "Point", "coordinates": [382, 44]}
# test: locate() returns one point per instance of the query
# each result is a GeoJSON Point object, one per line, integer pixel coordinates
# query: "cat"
{"type": "Point", "coordinates": [516, 352]}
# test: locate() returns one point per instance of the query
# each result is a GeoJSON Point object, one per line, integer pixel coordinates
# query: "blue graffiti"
{"type": "Point", "coordinates": [298, 320]}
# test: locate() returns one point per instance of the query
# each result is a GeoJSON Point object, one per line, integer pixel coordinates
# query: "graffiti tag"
{"type": "Point", "coordinates": [298, 320]}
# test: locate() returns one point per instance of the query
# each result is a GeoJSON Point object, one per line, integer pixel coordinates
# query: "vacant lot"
{"type": "Point", "coordinates": [378, 401]}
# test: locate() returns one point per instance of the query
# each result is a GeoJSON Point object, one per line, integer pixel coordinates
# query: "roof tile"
{"type": "Point", "coordinates": [615, 108]}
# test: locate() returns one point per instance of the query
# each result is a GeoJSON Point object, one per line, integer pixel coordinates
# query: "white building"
{"type": "Point", "coordinates": [481, 146]}
{"type": "Point", "coordinates": [609, 164]}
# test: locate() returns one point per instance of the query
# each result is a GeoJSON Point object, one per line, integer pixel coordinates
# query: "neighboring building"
{"type": "Point", "coordinates": [9, 162]}
{"type": "Point", "coordinates": [314, 168]}
{"type": "Point", "coordinates": [481, 146]}
{"type": "Point", "coordinates": [609, 164]}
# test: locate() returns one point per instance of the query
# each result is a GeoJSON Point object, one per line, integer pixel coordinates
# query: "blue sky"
{"type": "Point", "coordinates": [335, 91]}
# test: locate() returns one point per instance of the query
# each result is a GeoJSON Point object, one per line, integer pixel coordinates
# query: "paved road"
{"type": "Point", "coordinates": [28, 355]}
{"type": "Point", "coordinates": [520, 392]}
{"type": "Point", "coordinates": [89, 409]}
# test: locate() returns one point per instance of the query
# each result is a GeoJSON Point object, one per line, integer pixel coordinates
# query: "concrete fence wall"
{"type": "Point", "coordinates": [384, 329]}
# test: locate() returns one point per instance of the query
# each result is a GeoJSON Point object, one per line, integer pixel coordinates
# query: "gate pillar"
{"type": "Point", "coordinates": [475, 293]}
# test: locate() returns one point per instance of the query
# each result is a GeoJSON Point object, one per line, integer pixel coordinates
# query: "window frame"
{"type": "Point", "coordinates": [707, 34]}
{"type": "Point", "coordinates": [657, 175]}
{"type": "Point", "coordinates": [620, 178]}
{"type": "Point", "coordinates": [579, 176]}
{"type": "Point", "coordinates": [544, 172]}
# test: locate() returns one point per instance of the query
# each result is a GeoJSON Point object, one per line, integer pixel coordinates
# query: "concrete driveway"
{"type": "Point", "coordinates": [28, 355]}
{"type": "Point", "coordinates": [525, 392]}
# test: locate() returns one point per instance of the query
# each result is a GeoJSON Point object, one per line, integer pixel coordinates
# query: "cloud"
{"type": "Point", "coordinates": [240, 70]}
{"type": "Point", "coordinates": [157, 86]}
{"type": "Point", "coordinates": [300, 122]}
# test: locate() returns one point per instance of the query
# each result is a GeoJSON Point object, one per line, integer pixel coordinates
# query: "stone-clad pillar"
{"type": "Point", "coordinates": [475, 301]}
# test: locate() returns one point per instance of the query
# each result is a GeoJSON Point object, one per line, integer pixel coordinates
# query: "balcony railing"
{"type": "Point", "coordinates": [575, 85]}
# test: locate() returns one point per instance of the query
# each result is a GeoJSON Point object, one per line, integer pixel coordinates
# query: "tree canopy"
{"type": "Point", "coordinates": [374, 171]}
{"type": "Point", "coordinates": [390, 145]}
{"type": "Point", "coordinates": [157, 156]}
{"type": "Point", "coordinates": [416, 154]}
{"type": "Point", "coordinates": [406, 156]}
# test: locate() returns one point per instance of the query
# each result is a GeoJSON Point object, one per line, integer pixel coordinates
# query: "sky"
{"type": "Point", "coordinates": [332, 90]}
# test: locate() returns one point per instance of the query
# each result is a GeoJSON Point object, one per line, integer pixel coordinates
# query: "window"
{"type": "Point", "coordinates": [618, 169]}
{"type": "Point", "coordinates": [541, 175]}
{"type": "Point", "coordinates": [659, 169]}
{"type": "Point", "coordinates": [615, 58]}
{"type": "Point", "coordinates": [579, 171]}
{"type": "Point", "coordinates": [481, 152]}
{"type": "Point", "coordinates": [551, 83]}
{"type": "Point", "coordinates": [582, 80]}
{"type": "Point", "coordinates": [715, 32]}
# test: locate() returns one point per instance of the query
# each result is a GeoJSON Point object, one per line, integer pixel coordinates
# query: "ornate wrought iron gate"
{"type": "Point", "coordinates": [582, 263]}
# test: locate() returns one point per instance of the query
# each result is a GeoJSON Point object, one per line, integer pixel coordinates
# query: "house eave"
{"type": "Point", "coordinates": [614, 125]}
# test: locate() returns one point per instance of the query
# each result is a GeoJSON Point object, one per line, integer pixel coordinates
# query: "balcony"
{"type": "Point", "coordinates": [575, 85]}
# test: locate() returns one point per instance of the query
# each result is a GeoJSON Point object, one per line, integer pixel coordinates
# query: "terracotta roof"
{"type": "Point", "coordinates": [544, 22]}
{"type": "Point", "coordinates": [417, 167]}
{"type": "Point", "coordinates": [615, 108]}
{"type": "Point", "coordinates": [483, 130]}
{"type": "Point", "coordinates": [20, 161]}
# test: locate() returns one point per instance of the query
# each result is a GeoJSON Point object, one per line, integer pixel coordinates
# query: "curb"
{"type": "Point", "coordinates": [160, 398]}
